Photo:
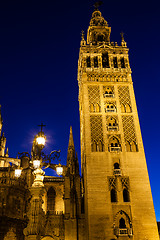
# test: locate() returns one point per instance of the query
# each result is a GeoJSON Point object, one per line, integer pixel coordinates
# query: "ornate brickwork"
{"type": "Point", "coordinates": [112, 123]}
{"type": "Point", "coordinates": [94, 98]}
{"type": "Point", "coordinates": [96, 133]}
{"type": "Point", "coordinates": [107, 77]}
{"type": "Point", "coordinates": [124, 98]}
{"type": "Point", "coordinates": [110, 106]}
{"type": "Point", "coordinates": [108, 91]}
{"type": "Point", "coordinates": [112, 182]}
{"type": "Point", "coordinates": [125, 182]}
{"type": "Point", "coordinates": [129, 133]}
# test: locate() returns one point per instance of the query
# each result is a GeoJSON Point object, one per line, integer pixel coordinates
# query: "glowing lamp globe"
{"type": "Point", "coordinates": [36, 163]}
{"type": "Point", "coordinates": [18, 172]}
{"type": "Point", "coordinates": [40, 140]}
{"type": "Point", "coordinates": [59, 169]}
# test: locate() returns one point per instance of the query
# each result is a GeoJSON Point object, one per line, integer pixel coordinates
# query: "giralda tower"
{"type": "Point", "coordinates": [117, 195]}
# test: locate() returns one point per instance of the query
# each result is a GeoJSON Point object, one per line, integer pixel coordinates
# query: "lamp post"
{"type": "Point", "coordinates": [38, 159]}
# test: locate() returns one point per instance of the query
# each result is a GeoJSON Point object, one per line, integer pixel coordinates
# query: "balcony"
{"type": "Point", "coordinates": [110, 109]}
{"type": "Point", "coordinates": [117, 172]}
{"type": "Point", "coordinates": [114, 149]}
{"type": "Point", "coordinates": [112, 128]}
{"type": "Point", "coordinates": [123, 231]}
{"type": "Point", "coordinates": [108, 95]}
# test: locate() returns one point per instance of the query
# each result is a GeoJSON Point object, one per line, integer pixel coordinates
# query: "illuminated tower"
{"type": "Point", "coordinates": [117, 195]}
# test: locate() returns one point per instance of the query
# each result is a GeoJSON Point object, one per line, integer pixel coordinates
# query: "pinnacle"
{"type": "Point", "coordinates": [71, 142]}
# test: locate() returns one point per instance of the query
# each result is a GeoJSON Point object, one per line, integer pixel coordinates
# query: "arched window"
{"type": "Point", "coordinates": [96, 62]}
{"type": "Point", "coordinates": [92, 107]}
{"type": "Point", "coordinates": [133, 147]}
{"type": "Point", "coordinates": [88, 61]}
{"type": "Point", "coordinates": [128, 108]}
{"type": "Point", "coordinates": [110, 107]}
{"type": "Point", "coordinates": [126, 195]}
{"type": "Point", "coordinates": [100, 38]}
{"type": "Point", "coordinates": [51, 194]}
{"type": "Point", "coordinates": [100, 146]}
{"type": "Point", "coordinates": [112, 124]}
{"type": "Point", "coordinates": [94, 147]}
{"type": "Point", "coordinates": [123, 110]}
{"type": "Point", "coordinates": [122, 223]}
{"type": "Point", "coordinates": [108, 92]}
{"type": "Point", "coordinates": [116, 166]}
{"type": "Point", "coordinates": [115, 63]}
{"type": "Point", "coordinates": [97, 108]}
{"type": "Point", "coordinates": [113, 195]}
{"type": "Point", "coordinates": [128, 147]}
{"type": "Point", "coordinates": [122, 62]}
{"type": "Point", "coordinates": [114, 144]}
{"type": "Point", "coordinates": [105, 60]}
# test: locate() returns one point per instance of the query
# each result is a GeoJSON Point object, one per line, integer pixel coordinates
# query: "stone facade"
{"type": "Point", "coordinates": [112, 199]}
{"type": "Point", "coordinates": [118, 200]}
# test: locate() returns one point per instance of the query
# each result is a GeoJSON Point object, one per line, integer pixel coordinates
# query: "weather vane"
{"type": "Point", "coordinates": [97, 4]}
{"type": "Point", "coordinates": [42, 125]}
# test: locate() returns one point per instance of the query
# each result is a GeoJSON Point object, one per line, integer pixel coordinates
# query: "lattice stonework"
{"type": "Point", "coordinates": [96, 129]}
{"type": "Point", "coordinates": [125, 182]}
{"type": "Point", "coordinates": [129, 129]}
{"type": "Point", "coordinates": [94, 98]}
{"type": "Point", "coordinates": [124, 96]}
{"type": "Point", "coordinates": [112, 182]}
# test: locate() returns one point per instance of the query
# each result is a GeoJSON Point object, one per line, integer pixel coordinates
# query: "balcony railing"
{"type": "Point", "coordinates": [117, 171]}
{"type": "Point", "coordinates": [112, 128]}
{"type": "Point", "coordinates": [110, 109]}
{"type": "Point", "coordinates": [123, 231]}
{"type": "Point", "coordinates": [108, 95]}
{"type": "Point", "coordinates": [115, 149]}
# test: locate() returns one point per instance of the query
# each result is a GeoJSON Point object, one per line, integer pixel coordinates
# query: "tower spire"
{"type": "Point", "coordinates": [71, 142]}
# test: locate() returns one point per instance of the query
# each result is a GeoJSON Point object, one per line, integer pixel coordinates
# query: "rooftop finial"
{"type": "Point", "coordinates": [123, 43]}
{"type": "Point", "coordinates": [82, 35]}
{"type": "Point", "coordinates": [122, 36]}
{"type": "Point", "coordinates": [97, 4]}
{"type": "Point", "coordinates": [42, 125]}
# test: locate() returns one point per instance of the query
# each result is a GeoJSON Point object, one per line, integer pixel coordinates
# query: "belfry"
{"type": "Point", "coordinates": [117, 195]}
{"type": "Point", "coordinates": [112, 199]}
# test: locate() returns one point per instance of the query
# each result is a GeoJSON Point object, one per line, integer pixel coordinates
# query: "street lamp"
{"type": "Point", "coordinates": [18, 172]}
{"type": "Point", "coordinates": [38, 159]}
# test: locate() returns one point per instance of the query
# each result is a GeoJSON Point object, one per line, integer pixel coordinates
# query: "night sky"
{"type": "Point", "coordinates": [39, 47]}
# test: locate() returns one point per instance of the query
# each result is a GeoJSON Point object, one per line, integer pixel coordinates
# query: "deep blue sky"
{"type": "Point", "coordinates": [39, 47]}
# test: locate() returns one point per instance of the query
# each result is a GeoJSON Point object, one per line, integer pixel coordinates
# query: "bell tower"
{"type": "Point", "coordinates": [117, 195]}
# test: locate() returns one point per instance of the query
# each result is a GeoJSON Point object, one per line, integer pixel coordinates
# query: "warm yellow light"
{"type": "Point", "coordinates": [40, 140]}
{"type": "Point", "coordinates": [18, 172]}
{"type": "Point", "coordinates": [59, 169]}
{"type": "Point", "coordinates": [36, 163]}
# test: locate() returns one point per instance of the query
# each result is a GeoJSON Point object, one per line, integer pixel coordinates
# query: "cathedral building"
{"type": "Point", "coordinates": [112, 199]}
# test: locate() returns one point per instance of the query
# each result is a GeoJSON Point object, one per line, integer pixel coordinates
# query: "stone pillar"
{"type": "Point", "coordinates": [35, 228]}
